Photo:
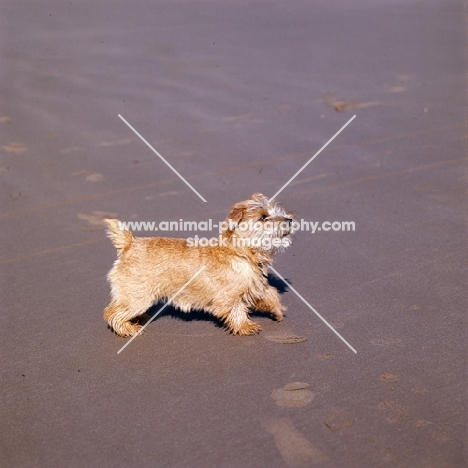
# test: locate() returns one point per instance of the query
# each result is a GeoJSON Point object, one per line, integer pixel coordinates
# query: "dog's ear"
{"type": "Point", "coordinates": [237, 213]}
{"type": "Point", "coordinates": [259, 198]}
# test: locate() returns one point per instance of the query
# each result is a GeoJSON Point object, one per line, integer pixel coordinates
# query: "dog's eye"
{"type": "Point", "coordinates": [263, 217]}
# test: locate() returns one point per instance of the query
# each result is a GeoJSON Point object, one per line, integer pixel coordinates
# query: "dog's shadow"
{"type": "Point", "coordinates": [278, 283]}
{"type": "Point", "coordinates": [170, 311]}
{"type": "Point", "coordinates": [200, 315]}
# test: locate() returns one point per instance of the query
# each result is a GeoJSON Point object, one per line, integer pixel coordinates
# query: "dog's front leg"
{"type": "Point", "coordinates": [270, 302]}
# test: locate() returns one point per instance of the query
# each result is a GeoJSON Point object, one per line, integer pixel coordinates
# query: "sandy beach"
{"type": "Point", "coordinates": [237, 97]}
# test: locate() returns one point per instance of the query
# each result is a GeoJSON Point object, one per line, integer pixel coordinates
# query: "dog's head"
{"type": "Point", "coordinates": [259, 223]}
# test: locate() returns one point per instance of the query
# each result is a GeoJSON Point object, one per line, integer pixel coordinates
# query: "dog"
{"type": "Point", "coordinates": [233, 279]}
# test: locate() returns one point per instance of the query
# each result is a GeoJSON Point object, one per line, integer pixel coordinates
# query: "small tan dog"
{"type": "Point", "coordinates": [234, 278]}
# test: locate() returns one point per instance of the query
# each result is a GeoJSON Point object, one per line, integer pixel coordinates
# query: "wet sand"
{"type": "Point", "coordinates": [237, 96]}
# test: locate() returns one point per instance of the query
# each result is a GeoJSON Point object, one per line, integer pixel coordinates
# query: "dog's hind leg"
{"type": "Point", "coordinates": [119, 317]}
{"type": "Point", "coordinates": [237, 320]}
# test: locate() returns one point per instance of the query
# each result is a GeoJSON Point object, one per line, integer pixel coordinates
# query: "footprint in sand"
{"type": "Point", "coordinates": [389, 377]}
{"type": "Point", "coordinates": [90, 176]}
{"type": "Point", "coordinates": [293, 446]}
{"type": "Point", "coordinates": [341, 105]}
{"type": "Point", "coordinates": [293, 394]}
{"type": "Point", "coordinates": [284, 336]}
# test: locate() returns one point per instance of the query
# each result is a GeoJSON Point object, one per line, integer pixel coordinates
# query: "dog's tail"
{"type": "Point", "coordinates": [120, 236]}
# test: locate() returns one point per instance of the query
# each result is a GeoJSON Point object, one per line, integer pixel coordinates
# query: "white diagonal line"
{"type": "Point", "coordinates": [314, 311]}
{"type": "Point", "coordinates": [313, 157]}
{"type": "Point", "coordinates": [162, 308]}
{"type": "Point", "coordinates": [144, 141]}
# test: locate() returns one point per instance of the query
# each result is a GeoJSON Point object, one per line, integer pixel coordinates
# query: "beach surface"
{"type": "Point", "coordinates": [236, 97]}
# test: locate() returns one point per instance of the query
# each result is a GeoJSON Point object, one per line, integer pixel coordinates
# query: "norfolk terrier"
{"type": "Point", "coordinates": [234, 276]}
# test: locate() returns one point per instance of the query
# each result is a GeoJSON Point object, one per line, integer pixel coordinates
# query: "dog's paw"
{"type": "Point", "coordinates": [248, 328]}
{"type": "Point", "coordinates": [277, 315]}
{"type": "Point", "coordinates": [127, 329]}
